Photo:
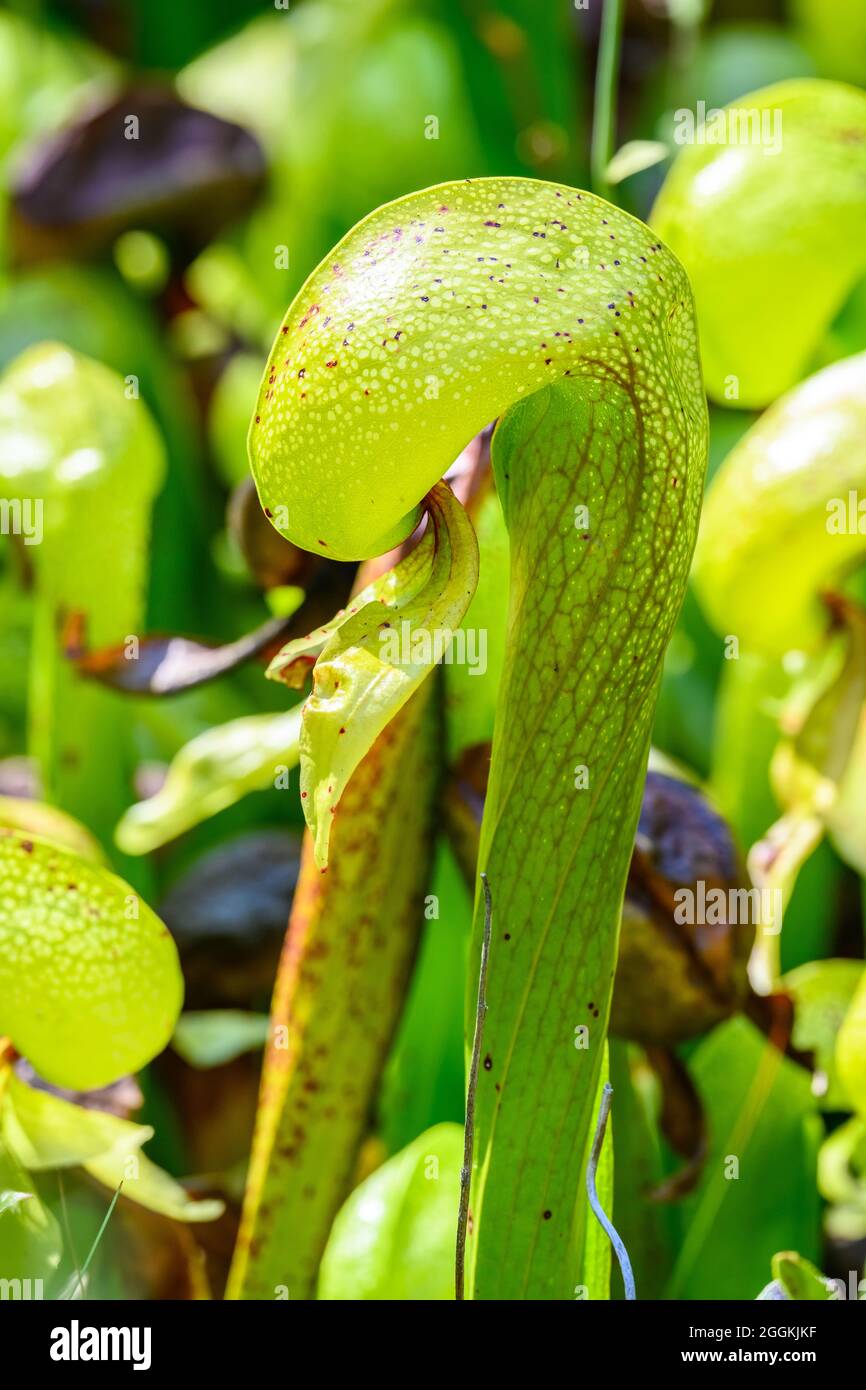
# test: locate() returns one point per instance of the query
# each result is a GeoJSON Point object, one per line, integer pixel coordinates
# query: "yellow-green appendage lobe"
{"type": "Point", "coordinates": [429, 320]}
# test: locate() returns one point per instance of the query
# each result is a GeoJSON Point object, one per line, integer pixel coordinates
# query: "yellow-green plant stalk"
{"type": "Point", "coordinates": [792, 487]}
{"type": "Point", "coordinates": [570, 322]}
{"type": "Point", "coordinates": [340, 989]}
{"type": "Point", "coordinates": [765, 207]}
{"type": "Point", "coordinates": [789, 488]}
{"type": "Point", "coordinates": [80, 455]}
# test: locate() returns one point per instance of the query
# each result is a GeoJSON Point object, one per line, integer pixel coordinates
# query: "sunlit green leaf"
{"type": "Point", "coordinates": [371, 665]}
{"type": "Point", "coordinates": [395, 588]}
{"type": "Point", "coordinates": [851, 1049]}
{"type": "Point", "coordinates": [770, 500]}
{"type": "Point", "coordinates": [81, 448]}
{"type": "Point", "coordinates": [395, 1236]}
{"type": "Point", "coordinates": [733, 210]}
{"type": "Point", "coordinates": [37, 818]}
{"type": "Point", "coordinates": [45, 1131]}
{"type": "Point", "coordinates": [800, 1279]}
{"type": "Point", "coordinates": [424, 1081]}
{"type": "Point", "coordinates": [472, 690]}
{"type": "Point", "coordinates": [30, 1241]}
{"type": "Point", "coordinates": [842, 1180]}
{"type": "Point", "coordinates": [151, 1187]}
{"type": "Point", "coordinates": [817, 770]}
{"type": "Point", "coordinates": [822, 991]}
{"type": "Point", "coordinates": [213, 1036]}
{"type": "Point", "coordinates": [638, 1170]}
{"type": "Point", "coordinates": [211, 772]}
{"type": "Point", "coordinates": [761, 1120]}
{"type": "Point", "coordinates": [90, 986]}
{"type": "Point", "coordinates": [46, 77]}
{"type": "Point", "coordinates": [842, 1163]}
{"type": "Point", "coordinates": [634, 157]}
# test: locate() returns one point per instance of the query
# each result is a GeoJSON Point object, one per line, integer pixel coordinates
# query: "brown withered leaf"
{"type": "Point", "coordinates": [463, 794]}
{"type": "Point", "coordinates": [179, 171]}
{"type": "Point", "coordinates": [270, 558]}
{"type": "Point", "coordinates": [121, 1098]}
{"type": "Point", "coordinates": [774, 1015]}
{"type": "Point", "coordinates": [228, 914]}
{"type": "Point", "coordinates": [674, 981]}
{"type": "Point", "coordinates": [682, 1121]}
{"type": "Point", "coordinates": [166, 664]}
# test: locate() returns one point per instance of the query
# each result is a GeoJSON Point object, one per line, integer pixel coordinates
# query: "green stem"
{"type": "Point", "coordinates": [100, 1233]}
{"type": "Point", "coordinates": [87, 451]}
{"type": "Point", "coordinates": [590, 616]}
{"type": "Point", "coordinates": [565, 319]}
{"type": "Point", "coordinates": [471, 1090]}
{"type": "Point", "coordinates": [338, 997]}
{"type": "Point", "coordinates": [604, 102]}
